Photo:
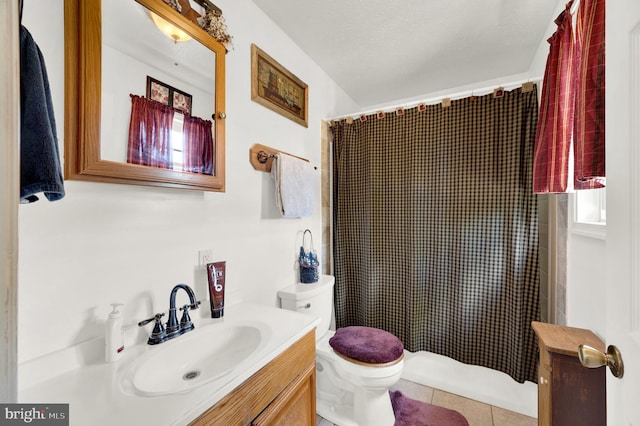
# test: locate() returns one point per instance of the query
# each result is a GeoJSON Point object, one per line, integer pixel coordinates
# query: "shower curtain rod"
{"type": "Point", "coordinates": [435, 100]}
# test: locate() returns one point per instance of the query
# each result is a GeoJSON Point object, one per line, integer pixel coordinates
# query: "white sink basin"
{"type": "Point", "coordinates": [207, 354]}
{"type": "Point", "coordinates": [105, 391]}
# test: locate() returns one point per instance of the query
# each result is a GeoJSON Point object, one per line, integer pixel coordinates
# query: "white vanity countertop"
{"type": "Point", "coordinates": [96, 394]}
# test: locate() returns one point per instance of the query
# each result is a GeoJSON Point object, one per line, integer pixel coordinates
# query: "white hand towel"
{"type": "Point", "coordinates": [294, 185]}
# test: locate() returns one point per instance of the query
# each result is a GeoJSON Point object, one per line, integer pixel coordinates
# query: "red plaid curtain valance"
{"type": "Point", "coordinates": [572, 104]}
{"type": "Point", "coordinates": [150, 142]}
{"type": "Point", "coordinates": [555, 122]}
{"type": "Point", "coordinates": [588, 145]}
{"type": "Point", "coordinates": [150, 133]}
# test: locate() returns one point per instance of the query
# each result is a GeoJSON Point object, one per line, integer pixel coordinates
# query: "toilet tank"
{"type": "Point", "coordinates": [315, 299]}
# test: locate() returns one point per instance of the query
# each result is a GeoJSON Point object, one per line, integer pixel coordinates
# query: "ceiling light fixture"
{"type": "Point", "coordinates": [168, 29]}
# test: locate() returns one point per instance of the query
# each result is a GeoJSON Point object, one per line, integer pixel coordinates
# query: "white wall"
{"type": "Point", "coordinates": [586, 277]}
{"type": "Point", "coordinates": [107, 243]}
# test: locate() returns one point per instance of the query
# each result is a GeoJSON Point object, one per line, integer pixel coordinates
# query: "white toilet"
{"type": "Point", "coordinates": [348, 392]}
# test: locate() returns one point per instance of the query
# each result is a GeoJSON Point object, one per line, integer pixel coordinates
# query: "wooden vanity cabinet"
{"type": "Point", "coordinates": [283, 392]}
{"type": "Point", "coordinates": [295, 405]}
{"type": "Point", "coordinates": [568, 392]}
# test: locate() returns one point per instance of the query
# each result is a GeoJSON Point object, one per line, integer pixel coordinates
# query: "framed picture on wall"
{"type": "Point", "coordinates": [274, 87]}
{"type": "Point", "coordinates": [168, 95]}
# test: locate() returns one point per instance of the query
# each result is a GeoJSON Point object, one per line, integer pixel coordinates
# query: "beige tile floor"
{"type": "Point", "coordinates": [476, 413]}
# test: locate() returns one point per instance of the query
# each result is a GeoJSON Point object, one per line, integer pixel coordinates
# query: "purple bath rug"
{"type": "Point", "coordinates": [410, 412]}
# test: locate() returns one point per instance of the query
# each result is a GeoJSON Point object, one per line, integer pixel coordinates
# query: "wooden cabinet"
{"type": "Point", "coordinates": [568, 393]}
{"type": "Point", "coordinates": [295, 405]}
{"type": "Point", "coordinates": [283, 392]}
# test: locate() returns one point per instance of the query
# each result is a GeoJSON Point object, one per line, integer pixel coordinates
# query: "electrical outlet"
{"type": "Point", "coordinates": [204, 257]}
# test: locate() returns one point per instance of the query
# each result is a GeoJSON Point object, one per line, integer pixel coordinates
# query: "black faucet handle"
{"type": "Point", "coordinates": [156, 317]}
{"type": "Point", "coordinates": [159, 334]}
{"type": "Point", "coordinates": [193, 305]}
{"type": "Point", "coordinates": [185, 322]}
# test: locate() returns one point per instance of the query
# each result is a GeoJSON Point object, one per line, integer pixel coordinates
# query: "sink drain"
{"type": "Point", "coordinates": [191, 375]}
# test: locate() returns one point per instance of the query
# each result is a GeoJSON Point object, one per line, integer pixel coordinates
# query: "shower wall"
{"type": "Point", "coordinates": [325, 183]}
{"type": "Point", "coordinates": [553, 228]}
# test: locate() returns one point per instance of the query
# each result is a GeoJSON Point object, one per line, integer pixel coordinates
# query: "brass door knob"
{"type": "Point", "coordinates": [593, 358]}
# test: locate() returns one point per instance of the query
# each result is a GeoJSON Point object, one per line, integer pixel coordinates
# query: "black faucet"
{"type": "Point", "coordinates": [174, 329]}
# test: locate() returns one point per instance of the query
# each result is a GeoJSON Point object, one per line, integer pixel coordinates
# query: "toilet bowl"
{"type": "Point", "coordinates": [349, 391]}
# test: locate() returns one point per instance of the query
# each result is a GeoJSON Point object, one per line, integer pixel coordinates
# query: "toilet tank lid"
{"type": "Point", "coordinates": [305, 291]}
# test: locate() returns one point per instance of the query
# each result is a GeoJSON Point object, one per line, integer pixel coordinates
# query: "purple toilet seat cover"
{"type": "Point", "coordinates": [366, 344]}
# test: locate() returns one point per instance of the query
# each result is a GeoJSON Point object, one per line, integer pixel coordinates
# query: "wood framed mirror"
{"type": "Point", "coordinates": [97, 117]}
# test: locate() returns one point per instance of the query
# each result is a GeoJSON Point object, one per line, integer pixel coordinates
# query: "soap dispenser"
{"type": "Point", "coordinates": [114, 339]}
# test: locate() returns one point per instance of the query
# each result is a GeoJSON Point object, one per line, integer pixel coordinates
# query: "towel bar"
{"type": "Point", "coordinates": [261, 157]}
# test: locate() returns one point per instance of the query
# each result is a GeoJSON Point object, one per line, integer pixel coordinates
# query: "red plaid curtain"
{"type": "Point", "coordinates": [572, 105]}
{"type": "Point", "coordinates": [150, 133]}
{"type": "Point", "coordinates": [589, 165]}
{"type": "Point", "coordinates": [555, 121]}
{"type": "Point", "coordinates": [198, 145]}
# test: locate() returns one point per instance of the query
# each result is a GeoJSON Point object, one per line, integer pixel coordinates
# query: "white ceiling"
{"type": "Point", "coordinates": [380, 51]}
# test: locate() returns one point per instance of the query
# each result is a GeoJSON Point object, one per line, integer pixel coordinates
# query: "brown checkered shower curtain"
{"type": "Point", "coordinates": [436, 232]}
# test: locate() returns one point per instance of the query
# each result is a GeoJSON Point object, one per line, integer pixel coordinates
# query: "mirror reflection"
{"type": "Point", "coordinates": [158, 92]}
{"type": "Point", "coordinates": [99, 95]}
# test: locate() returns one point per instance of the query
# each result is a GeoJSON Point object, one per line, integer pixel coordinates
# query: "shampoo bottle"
{"type": "Point", "coordinates": [114, 339]}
